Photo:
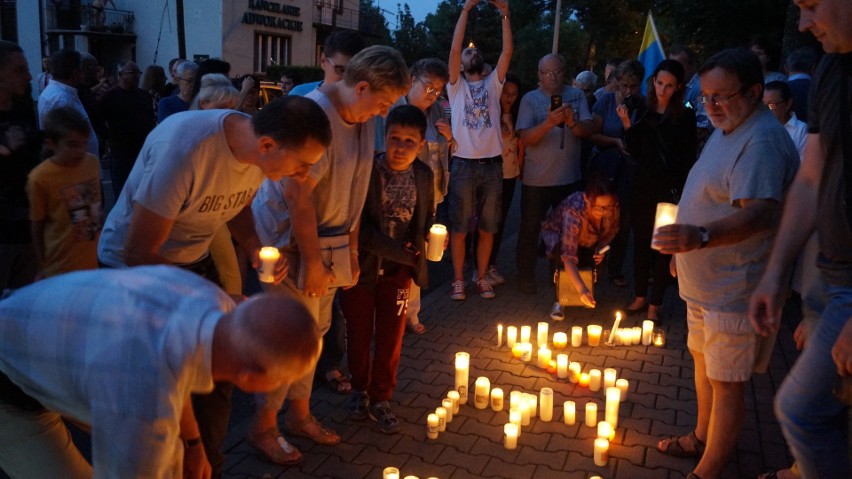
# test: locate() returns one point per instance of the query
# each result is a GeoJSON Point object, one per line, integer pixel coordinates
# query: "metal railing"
{"type": "Point", "coordinates": [334, 14]}
{"type": "Point", "coordinates": [86, 18]}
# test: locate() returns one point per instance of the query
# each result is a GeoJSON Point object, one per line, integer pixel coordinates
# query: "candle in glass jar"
{"type": "Point", "coordinates": [462, 375]}
{"type": "Point", "coordinates": [515, 399]}
{"type": "Point", "coordinates": [666, 215]}
{"type": "Point", "coordinates": [456, 399]}
{"type": "Point", "coordinates": [659, 338]}
{"type": "Point", "coordinates": [499, 335]}
{"type": "Point", "coordinates": [546, 404]}
{"type": "Point", "coordinates": [647, 332]}
{"type": "Point", "coordinates": [532, 403]}
{"type": "Point", "coordinates": [448, 405]}
{"type": "Point", "coordinates": [542, 335]}
{"type": "Point", "coordinates": [551, 367]}
{"type": "Point", "coordinates": [510, 435]}
{"type": "Point", "coordinates": [576, 336]}
{"type": "Point", "coordinates": [525, 334]}
{"type": "Point", "coordinates": [481, 392]}
{"type": "Point", "coordinates": [269, 256]}
{"type": "Point", "coordinates": [613, 398]}
{"type": "Point", "coordinates": [574, 370]}
{"type": "Point", "coordinates": [526, 352]}
{"type": "Point", "coordinates": [435, 245]}
{"type": "Point", "coordinates": [561, 366]}
{"type": "Point", "coordinates": [591, 414]}
{"type": "Point", "coordinates": [560, 340]}
{"type": "Point", "coordinates": [610, 375]}
{"type": "Point", "coordinates": [622, 385]}
{"type": "Point", "coordinates": [515, 415]}
{"type": "Point", "coordinates": [584, 380]}
{"type": "Point", "coordinates": [606, 431]}
{"type": "Point", "coordinates": [543, 358]}
{"type": "Point", "coordinates": [569, 412]}
{"type": "Point", "coordinates": [517, 351]}
{"type": "Point", "coordinates": [594, 331]}
{"type": "Point", "coordinates": [595, 380]}
{"type": "Point", "coordinates": [441, 412]}
{"type": "Point", "coordinates": [525, 412]}
{"type": "Point", "coordinates": [496, 399]}
{"type": "Point", "coordinates": [511, 336]}
{"type": "Point", "coordinates": [601, 452]}
{"type": "Point", "coordinates": [390, 473]}
{"type": "Point", "coordinates": [637, 335]}
{"type": "Point", "coordinates": [432, 426]}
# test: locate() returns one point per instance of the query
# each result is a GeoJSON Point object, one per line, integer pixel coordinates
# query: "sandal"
{"type": "Point", "coordinates": [384, 417]}
{"type": "Point", "coordinates": [338, 381]}
{"type": "Point", "coordinates": [672, 447]}
{"type": "Point", "coordinates": [313, 430]}
{"type": "Point", "coordinates": [416, 328]}
{"type": "Point", "coordinates": [275, 448]}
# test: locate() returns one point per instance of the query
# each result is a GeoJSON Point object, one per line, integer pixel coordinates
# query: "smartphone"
{"type": "Point", "coordinates": [555, 102]}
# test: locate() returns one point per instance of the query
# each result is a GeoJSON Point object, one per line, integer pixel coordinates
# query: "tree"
{"type": "Point", "coordinates": [410, 38]}
{"type": "Point", "coordinates": [372, 24]}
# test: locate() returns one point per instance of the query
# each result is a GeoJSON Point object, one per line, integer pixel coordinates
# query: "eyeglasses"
{"type": "Point", "coordinates": [716, 100]}
{"type": "Point", "coordinates": [773, 105]}
{"type": "Point", "coordinates": [552, 73]}
{"type": "Point", "coordinates": [430, 90]}
{"type": "Point", "coordinates": [339, 69]}
{"type": "Point", "coordinates": [188, 80]}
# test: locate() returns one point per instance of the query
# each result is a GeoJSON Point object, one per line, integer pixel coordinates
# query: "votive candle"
{"type": "Point", "coordinates": [647, 332]}
{"type": "Point", "coordinates": [576, 336]}
{"type": "Point", "coordinates": [595, 380]}
{"type": "Point", "coordinates": [569, 412]}
{"type": "Point", "coordinates": [448, 405]}
{"type": "Point", "coordinates": [613, 398]}
{"type": "Point", "coordinates": [462, 375]}
{"type": "Point", "coordinates": [496, 399]}
{"type": "Point", "coordinates": [511, 336]}
{"type": "Point", "coordinates": [390, 473]}
{"type": "Point", "coordinates": [546, 404]}
{"type": "Point", "coordinates": [525, 334]}
{"type": "Point", "coordinates": [594, 331]}
{"type": "Point", "coordinates": [456, 399]}
{"type": "Point", "coordinates": [560, 340]}
{"type": "Point", "coordinates": [601, 452]}
{"type": "Point", "coordinates": [591, 414]}
{"type": "Point", "coordinates": [432, 422]}
{"type": "Point", "coordinates": [542, 335]}
{"type": "Point", "coordinates": [510, 435]}
{"type": "Point", "coordinates": [526, 352]}
{"type": "Point", "coordinates": [441, 412]}
{"type": "Point", "coordinates": [269, 256]}
{"type": "Point", "coordinates": [609, 377]}
{"type": "Point", "coordinates": [622, 385]}
{"type": "Point", "coordinates": [584, 380]}
{"type": "Point", "coordinates": [481, 392]}
{"type": "Point", "coordinates": [544, 358]}
{"type": "Point", "coordinates": [574, 370]}
{"type": "Point", "coordinates": [561, 366]}
{"type": "Point", "coordinates": [606, 431]}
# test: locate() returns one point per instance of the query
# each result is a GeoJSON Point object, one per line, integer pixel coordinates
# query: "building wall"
{"type": "Point", "coordinates": [29, 38]}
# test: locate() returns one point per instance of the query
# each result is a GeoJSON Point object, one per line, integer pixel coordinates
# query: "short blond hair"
{"type": "Point", "coordinates": [382, 67]}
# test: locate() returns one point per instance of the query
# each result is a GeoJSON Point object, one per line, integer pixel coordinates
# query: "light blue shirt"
{"type": "Point", "coordinates": [57, 94]}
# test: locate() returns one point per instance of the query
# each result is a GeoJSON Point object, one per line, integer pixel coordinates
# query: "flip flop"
{"type": "Point", "coordinates": [338, 381]}
{"type": "Point", "coordinates": [323, 436]}
{"type": "Point", "coordinates": [281, 452]}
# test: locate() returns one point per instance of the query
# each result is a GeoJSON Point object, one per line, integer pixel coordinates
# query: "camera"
{"type": "Point", "coordinates": [632, 102]}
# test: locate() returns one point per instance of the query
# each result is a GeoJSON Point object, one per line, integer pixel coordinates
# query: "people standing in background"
{"type": "Point", "coordinates": [778, 97]}
{"type": "Point", "coordinates": [62, 91]}
{"type": "Point", "coordinates": [799, 66]}
{"type": "Point", "coordinates": [154, 82]}
{"type": "Point", "coordinates": [186, 72]}
{"type": "Point", "coordinates": [44, 76]}
{"type": "Point", "coordinates": [340, 46]}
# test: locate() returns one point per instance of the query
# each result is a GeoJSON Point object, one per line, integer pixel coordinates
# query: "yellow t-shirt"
{"type": "Point", "coordinates": [68, 200]}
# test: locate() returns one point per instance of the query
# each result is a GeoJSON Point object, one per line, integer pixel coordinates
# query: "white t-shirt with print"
{"type": "Point", "coordinates": [476, 117]}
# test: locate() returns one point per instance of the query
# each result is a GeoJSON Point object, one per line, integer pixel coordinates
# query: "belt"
{"type": "Point", "coordinates": [482, 161]}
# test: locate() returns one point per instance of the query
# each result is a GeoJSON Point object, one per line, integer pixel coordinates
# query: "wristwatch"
{"type": "Point", "coordinates": [705, 236]}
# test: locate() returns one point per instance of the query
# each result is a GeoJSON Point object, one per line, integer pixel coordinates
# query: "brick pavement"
{"type": "Point", "coordinates": [661, 400]}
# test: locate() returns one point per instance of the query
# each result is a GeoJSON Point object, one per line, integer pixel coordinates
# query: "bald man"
{"type": "Point", "coordinates": [124, 360]}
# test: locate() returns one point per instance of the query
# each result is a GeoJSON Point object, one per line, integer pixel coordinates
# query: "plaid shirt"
{"type": "Point", "coordinates": [561, 230]}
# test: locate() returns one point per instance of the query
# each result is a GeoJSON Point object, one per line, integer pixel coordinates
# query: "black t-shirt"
{"type": "Point", "coordinates": [20, 135]}
{"type": "Point", "coordinates": [828, 106]}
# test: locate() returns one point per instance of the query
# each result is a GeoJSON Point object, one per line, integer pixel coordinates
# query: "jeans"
{"type": "Point", "coordinates": [814, 422]}
{"type": "Point", "coordinates": [535, 202]}
{"type": "Point", "coordinates": [508, 194]}
{"type": "Point", "coordinates": [475, 188]}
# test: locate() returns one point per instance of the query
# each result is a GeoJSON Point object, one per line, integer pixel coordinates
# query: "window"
{"type": "Point", "coordinates": [269, 50]}
{"type": "Point", "coordinates": [8, 21]}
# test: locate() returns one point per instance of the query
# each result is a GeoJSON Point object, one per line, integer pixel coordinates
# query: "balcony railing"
{"type": "Point", "coordinates": [86, 18]}
{"type": "Point", "coordinates": [332, 13]}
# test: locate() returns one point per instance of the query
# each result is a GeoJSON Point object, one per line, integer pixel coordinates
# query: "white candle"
{"type": "Point", "coordinates": [666, 215]}
{"type": "Point", "coordinates": [499, 335]}
{"type": "Point", "coordinates": [574, 370]}
{"type": "Point", "coordinates": [435, 245]}
{"type": "Point", "coordinates": [595, 380]}
{"type": "Point", "coordinates": [390, 473]}
{"type": "Point", "coordinates": [496, 399]}
{"type": "Point", "coordinates": [462, 375]}
{"type": "Point", "coordinates": [515, 399]}
{"type": "Point", "coordinates": [532, 403]}
{"type": "Point", "coordinates": [515, 415]}
{"type": "Point", "coordinates": [601, 452]}
{"type": "Point", "coordinates": [481, 392]}
{"type": "Point", "coordinates": [525, 412]}
{"type": "Point", "coordinates": [510, 435]}
{"type": "Point", "coordinates": [591, 414]}
{"type": "Point", "coordinates": [441, 412]}
{"type": "Point", "coordinates": [448, 405]}
{"type": "Point", "coordinates": [544, 356]}
{"type": "Point", "coordinates": [622, 385]}
{"type": "Point", "coordinates": [560, 340]}
{"type": "Point", "coordinates": [456, 399]}
{"type": "Point", "coordinates": [546, 404]}
{"type": "Point", "coordinates": [525, 334]}
{"type": "Point", "coordinates": [526, 352]}
{"type": "Point", "coordinates": [432, 422]}
{"type": "Point", "coordinates": [269, 256]}
{"type": "Point", "coordinates": [606, 431]}
{"type": "Point", "coordinates": [569, 412]}
{"type": "Point", "coordinates": [613, 333]}
{"type": "Point", "coordinates": [647, 332]}
{"type": "Point", "coordinates": [594, 331]}
{"type": "Point", "coordinates": [576, 336]}
{"type": "Point", "coordinates": [613, 398]}
{"type": "Point", "coordinates": [542, 334]}
{"type": "Point", "coordinates": [511, 336]}
{"type": "Point", "coordinates": [610, 375]}
{"type": "Point", "coordinates": [561, 366]}
{"type": "Point", "coordinates": [637, 335]}
{"type": "Point", "coordinates": [410, 477]}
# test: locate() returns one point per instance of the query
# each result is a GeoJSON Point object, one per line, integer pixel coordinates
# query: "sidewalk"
{"type": "Point", "coordinates": [660, 402]}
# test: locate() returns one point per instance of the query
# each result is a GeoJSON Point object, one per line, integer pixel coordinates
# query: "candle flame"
{"type": "Point", "coordinates": [471, 44]}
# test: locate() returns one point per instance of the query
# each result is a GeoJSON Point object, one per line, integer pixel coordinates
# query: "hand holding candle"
{"type": "Point", "coordinates": [268, 268]}
{"type": "Point", "coordinates": [666, 215]}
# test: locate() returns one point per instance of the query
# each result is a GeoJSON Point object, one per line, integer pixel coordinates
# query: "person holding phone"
{"type": "Point", "coordinates": [551, 121]}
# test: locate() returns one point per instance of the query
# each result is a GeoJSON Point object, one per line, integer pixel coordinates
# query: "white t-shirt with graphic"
{"type": "Point", "coordinates": [476, 117]}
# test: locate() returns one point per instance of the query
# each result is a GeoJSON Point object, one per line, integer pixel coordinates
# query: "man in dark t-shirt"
{"type": "Point", "coordinates": [812, 418]}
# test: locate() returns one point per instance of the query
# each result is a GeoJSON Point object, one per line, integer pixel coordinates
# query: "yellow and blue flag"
{"type": "Point", "coordinates": [651, 52]}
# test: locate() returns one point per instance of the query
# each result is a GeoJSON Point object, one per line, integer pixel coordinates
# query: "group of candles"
{"type": "Point", "coordinates": [393, 473]}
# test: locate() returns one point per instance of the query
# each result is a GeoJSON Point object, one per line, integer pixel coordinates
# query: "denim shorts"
{"type": "Point", "coordinates": [475, 188]}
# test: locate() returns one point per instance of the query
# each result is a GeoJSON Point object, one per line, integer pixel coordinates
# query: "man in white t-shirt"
{"type": "Point", "coordinates": [778, 97]}
{"type": "Point", "coordinates": [476, 172]}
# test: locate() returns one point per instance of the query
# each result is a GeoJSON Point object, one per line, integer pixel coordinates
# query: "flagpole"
{"type": "Point", "coordinates": [556, 23]}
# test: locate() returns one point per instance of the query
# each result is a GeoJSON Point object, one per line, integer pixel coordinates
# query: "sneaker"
{"type": "Point", "coordinates": [358, 403]}
{"type": "Point", "coordinates": [484, 288]}
{"type": "Point", "coordinates": [556, 313]}
{"type": "Point", "coordinates": [494, 277]}
{"type": "Point", "coordinates": [457, 291]}
{"type": "Point", "coordinates": [384, 417]}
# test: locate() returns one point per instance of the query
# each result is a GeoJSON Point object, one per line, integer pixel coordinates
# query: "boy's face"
{"type": "Point", "coordinates": [402, 143]}
{"type": "Point", "coordinates": [70, 149]}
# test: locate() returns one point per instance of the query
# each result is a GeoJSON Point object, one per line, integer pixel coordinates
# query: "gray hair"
{"type": "Point", "coordinates": [586, 79]}
{"type": "Point", "coordinates": [186, 67]}
{"type": "Point", "coordinates": [216, 89]}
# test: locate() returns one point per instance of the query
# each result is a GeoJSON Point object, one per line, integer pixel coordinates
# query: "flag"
{"type": "Point", "coordinates": [651, 52]}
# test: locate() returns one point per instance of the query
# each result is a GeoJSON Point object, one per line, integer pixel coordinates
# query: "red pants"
{"type": "Point", "coordinates": [376, 316]}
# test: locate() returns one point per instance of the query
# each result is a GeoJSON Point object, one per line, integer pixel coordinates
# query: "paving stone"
{"type": "Point", "coordinates": [472, 463]}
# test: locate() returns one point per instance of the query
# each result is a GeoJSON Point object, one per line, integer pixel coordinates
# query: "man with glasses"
{"type": "Point", "coordinates": [186, 72]}
{"type": "Point", "coordinates": [129, 116]}
{"type": "Point", "coordinates": [551, 121]}
{"type": "Point", "coordinates": [476, 172]}
{"type": "Point", "coordinates": [778, 97]}
{"type": "Point", "coordinates": [725, 224]}
{"type": "Point", "coordinates": [339, 47]}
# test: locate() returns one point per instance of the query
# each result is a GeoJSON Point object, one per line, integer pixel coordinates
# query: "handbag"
{"type": "Point", "coordinates": [566, 293]}
{"type": "Point", "coordinates": [335, 255]}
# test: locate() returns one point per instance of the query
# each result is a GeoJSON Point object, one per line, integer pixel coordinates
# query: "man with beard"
{"type": "Point", "coordinates": [476, 170]}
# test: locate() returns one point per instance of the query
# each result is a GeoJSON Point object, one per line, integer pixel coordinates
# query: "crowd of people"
{"type": "Point", "coordinates": [133, 323]}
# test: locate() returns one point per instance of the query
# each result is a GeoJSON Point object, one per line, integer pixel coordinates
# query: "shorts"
{"type": "Point", "coordinates": [475, 187]}
{"type": "Point", "coordinates": [732, 349]}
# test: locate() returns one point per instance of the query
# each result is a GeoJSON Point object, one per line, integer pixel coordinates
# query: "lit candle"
{"type": "Point", "coordinates": [546, 404]}
{"type": "Point", "coordinates": [515, 399]}
{"type": "Point", "coordinates": [441, 412]}
{"type": "Point", "coordinates": [666, 215]}
{"type": "Point", "coordinates": [569, 412]}
{"type": "Point", "coordinates": [532, 403]}
{"type": "Point", "coordinates": [584, 380]}
{"type": "Point", "coordinates": [462, 375]}
{"type": "Point", "coordinates": [543, 358]}
{"type": "Point", "coordinates": [432, 426]}
{"type": "Point", "coordinates": [456, 399]}
{"type": "Point", "coordinates": [595, 380]}
{"type": "Point", "coordinates": [410, 477]}
{"type": "Point", "coordinates": [560, 340]}
{"type": "Point", "coordinates": [647, 332]}
{"type": "Point", "coordinates": [622, 385]}
{"type": "Point", "coordinates": [612, 334]}
{"type": "Point", "coordinates": [613, 397]}
{"type": "Point", "coordinates": [659, 338]}
{"type": "Point", "coordinates": [448, 405]}
{"type": "Point", "coordinates": [594, 331]}
{"type": "Point", "coordinates": [269, 256]}
{"type": "Point", "coordinates": [542, 335]}
{"type": "Point", "coordinates": [606, 431]}
{"type": "Point", "coordinates": [526, 352]}
{"type": "Point", "coordinates": [510, 435]}
{"type": "Point", "coordinates": [610, 375]}
{"type": "Point", "coordinates": [511, 336]}
{"type": "Point", "coordinates": [481, 392]}
{"type": "Point", "coordinates": [435, 245]}
{"type": "Point", "coordinates": [390, 473]}
{"type": "Point", "coordinates": [574, 370]}
{"type": "Point", "coordinates": [561, 366]}
{"type": "Point", "coordinates": [517, 351]}
{"type": "Point", "coordinates": [499, 335]}
{"type": "Point", "coordinates": [551, 367]}
{"type": "Point", "coordinates": [601, 452]}
{"type": "Point", "coordinates": [576, 336]}
{"type": "Point", "coordinates": [637, 335]}
{"type": "Point", "coordinates": [515, 415]}
{"type": "Point", "coordinates": [525, 412]}
{"type": "Point", "coordinates": [591, 414]}
{"type": "Point", "coordinates": [496, 399]}
{"type": "Point", "coordinates": [525, 334]}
